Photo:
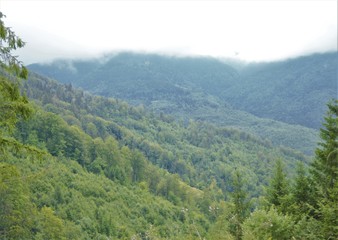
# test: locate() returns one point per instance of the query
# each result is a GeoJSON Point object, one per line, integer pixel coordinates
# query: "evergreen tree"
{"type": "Point", "coordinates": [324, 174]}
{"type": "Point", "coordinates": [278, 189]}
{"type": "Point", "coordinates": [302, 194]}
{"type": "Point", "coordinates": [241, 205]}
{"type": "Point", "coordinates": [325, 166]}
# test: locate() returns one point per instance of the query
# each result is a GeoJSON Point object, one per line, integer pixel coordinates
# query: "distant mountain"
{"type": "Point", "coordinates": [210, 90]}
{"type": "Point", "coordinates": [134, 76]}
{"type": "Point", "coordinates": [294, 91]}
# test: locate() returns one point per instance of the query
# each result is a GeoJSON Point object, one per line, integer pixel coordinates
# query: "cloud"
{"type": "Point", "coordinates": [250, 30]}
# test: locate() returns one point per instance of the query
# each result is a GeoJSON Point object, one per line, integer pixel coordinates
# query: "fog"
{"type": "Point", "coordinates": [244, 30]}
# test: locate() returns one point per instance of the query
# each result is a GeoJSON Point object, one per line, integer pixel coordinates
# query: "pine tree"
{"type": "Point", "coordinates": [302, 193]}
{"type": "Point", "coordinates": [324, 174]}
{"type": "Point", "coordinates": [241, 205]}
{"type": "Point", "coordinates": [279, 187]}
{"type": "Point", "coordinates": [325, 166]}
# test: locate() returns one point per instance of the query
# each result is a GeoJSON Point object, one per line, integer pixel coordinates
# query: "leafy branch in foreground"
{"type": "Point", "coordinates": [8, 42]}
{"type": "Point", "coordinates": [13, 104]}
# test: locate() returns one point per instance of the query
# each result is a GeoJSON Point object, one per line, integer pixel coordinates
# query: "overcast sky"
{"type": "Point", "coordinates": [250, 30]}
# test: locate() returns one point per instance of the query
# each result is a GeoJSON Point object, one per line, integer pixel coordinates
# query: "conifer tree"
{"type": "Point", "coordinates": [325, 166]}
{"type": "Point", "coordinates": [241, 205]}
{"type": "Point", "coordinates": [278, 189]}
{"type": "Point", "coordinates": [301, 191]}
{"type": "Point", "coordinates": [324, 174]}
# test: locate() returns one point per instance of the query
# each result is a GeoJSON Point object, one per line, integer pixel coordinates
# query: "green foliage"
{"type": "Point", "coordinates": [293, 91]}
{"type": "Point", "coordinates": [16, 211]}
{"type": "Point", "coordinates": [301, 192]}
{"type": "Point", "coordinates": [112, 171]}
{"type": "Point", "coordinates": [269, 224]}
{"type": "Point", "coordinates": [197, 151]}
{"type": "Point", "coordinates": [312, 201]}
{"type": "Point", "coordinates": [204, 89]}
{"type": "Point", "coordinates": [68, 202]}
{"type": "Point", "coordinates": [50, 226]}
{"type": "Point", "coordinates": [13, 105]}
{"type": "Point", "coordinates": [325, 166]}
{"type": "Point", "coordinates": [324, 171]}
{"type": "Point", "coordinates": [241, 205]}
{"type": "Point", "coordinates": [124, 148]}
{"type": "Point", "coordinates": [221, 229]}
{"type": "Point", "coordinates": [9, 41]}
{"type": "Point", "coordinates": [279, 187]}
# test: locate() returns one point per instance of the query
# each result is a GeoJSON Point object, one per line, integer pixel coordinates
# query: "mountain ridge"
{"type": "Point", "coordinates": [187, 88]}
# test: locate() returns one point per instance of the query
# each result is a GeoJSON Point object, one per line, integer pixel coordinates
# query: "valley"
{"type": "Point", "coordinates": [278, 102]}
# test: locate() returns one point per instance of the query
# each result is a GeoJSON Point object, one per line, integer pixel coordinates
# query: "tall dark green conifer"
{"type": "Point", "coordinates": [241, 205]}
{"type": "Point", "coordinates": [302, 194]}
{"type": "Point", "coordinates": [325, 166]}
{"type": "Point", "coordinates": [324, 173]}
{"type": "Point", "coordinates": [279, 187]}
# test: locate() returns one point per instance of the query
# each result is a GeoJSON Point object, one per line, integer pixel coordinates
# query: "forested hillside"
{"type": "Point", "coordinates": [79, 166]}
{"type": "Point", "coordinates": [93, 167]}
{"type": "Point", "coordinates": [197, 151]}
{"type": "Point", "coordinates": [209, 90]}
{"type": "Point", "coordinates": [292, 91]}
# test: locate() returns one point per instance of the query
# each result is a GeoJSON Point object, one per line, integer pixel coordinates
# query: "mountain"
{"type": "Point", "coordinates": [97, 168]}
{"type": "Point", "coordinates": [293, 91]}
{"type": "Point", "coordinates": [210, 90]}
{"type": "Point", "coordinates": [79, 166]}
{"type": "Point", "coordinates": [197, 151]}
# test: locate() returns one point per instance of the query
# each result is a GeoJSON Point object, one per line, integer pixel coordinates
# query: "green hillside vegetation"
{"type": "Point", "coordinates": [197, 151]}
{"type": "Point", "coordinates": [92, 186]}
{"type": "Point", "coordinates": [292, 91]}
{"type": "Point", "coordinates": [187, 88]}
{"type": "Point", "coordinates": [78, 166]}
{"type": "Point", "coordinates": [104, 187]}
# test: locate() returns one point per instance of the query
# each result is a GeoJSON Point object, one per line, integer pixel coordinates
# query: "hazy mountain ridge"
{"type": "Point", "coordinates": [205, 89]}
{"type": "Point", "coordinates": [293, 91]}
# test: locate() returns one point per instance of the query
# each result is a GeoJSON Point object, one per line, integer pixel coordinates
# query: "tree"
{"type": "Point", "coordinates": [50, 226]}
{"type": "Point", "coordinates": [302, 193]}
{"type": "Point", "coordinates": [324, 174]}
{"type": "Point", "coordinates": [268, 224]}
{"type": "Point", "coordinates": [325, 165]}
{"type": "Point", "coordinates": [13, 105]}
{"type": "Point", "coordinates": [17, 213]}
{"type": "Point", "coordinates": [8, 42]}
{"type": "Point", "coordinates": [278, 189]}
{"type": "Point", "coordinates": [138, 165]}
{"type": "Point", "coordinates": [241, 204]}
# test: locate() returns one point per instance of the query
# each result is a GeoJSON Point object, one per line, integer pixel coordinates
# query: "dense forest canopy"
{"type": "Point", "coordinates": [282, 91]}
{"type": "Point", "coordinates": [282, 102]}
{"type": "Point", "coordinates": [78, 166]}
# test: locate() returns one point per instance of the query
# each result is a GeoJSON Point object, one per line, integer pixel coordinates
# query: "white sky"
{"type": "Point", "coordinates": [250, 30]}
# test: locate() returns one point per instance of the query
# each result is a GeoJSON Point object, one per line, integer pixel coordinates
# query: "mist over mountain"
{"type": "Point", "coordinates": [293, 91]}
{"type": "Point", "coordinates": [179, 136]}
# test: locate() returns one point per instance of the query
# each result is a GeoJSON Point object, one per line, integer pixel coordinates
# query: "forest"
{"type": "Point", "coordinates": [74, 165]}
{"type": "Point", "coordinates": [280, 101]}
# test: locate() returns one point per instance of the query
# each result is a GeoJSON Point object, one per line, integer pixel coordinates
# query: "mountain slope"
{"type": "Point", "coordinates": [111, 170]}
{"type": "Point", "coordinates": [204, 89]}
{"type": "Point", "coordinates": [196, 151]}
{"type": "Point", "coordinates": [293, 91]}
